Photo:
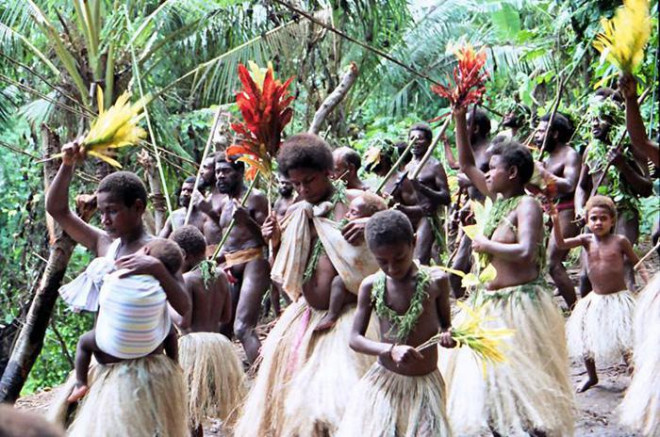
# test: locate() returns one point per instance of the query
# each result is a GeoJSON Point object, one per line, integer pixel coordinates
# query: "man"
{"type": "Point", "coordinates": [243, 254]}
{"type": "Point", "coordinates": [479, 130]}
{"type": "Point", "coordinates": [347, 163]}
{"type": "Point", "coordinates": [432, 191]}
{"type": "Point", "coordinates": [515, 124]}
{"type": "Point", "coordinates": [210, 201]}
{"type": "Point", "coordinates": [198, 219]}
{"type": "Point", "coordinates": [627, 177]}
{"type": "Point", "coordinates": [561, 168]}
{"type": "Point", "coordinates": [285, 190]}
{"type": "Point", "coordinates": [380, 160]}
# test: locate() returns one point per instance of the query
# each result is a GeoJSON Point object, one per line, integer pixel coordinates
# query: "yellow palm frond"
{"type": "Point", "coordinates": [624, 37]}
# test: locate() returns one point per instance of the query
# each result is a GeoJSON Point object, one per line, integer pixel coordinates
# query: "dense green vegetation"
{"type": "Point", "coordinates": [186, 52]}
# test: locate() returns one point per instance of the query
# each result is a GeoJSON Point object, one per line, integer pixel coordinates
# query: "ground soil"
{"type": "Point", "coordinates": [596, 407]}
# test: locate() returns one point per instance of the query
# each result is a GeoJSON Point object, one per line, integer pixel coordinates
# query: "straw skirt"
{"type": "Point", "coordinates": [387, 404]}
{"type": "Point", "coordinates": [305, 377]}
{"type": "Point", "coordinates": [138, 398]}
{"type": "Point", "coordinates": [601, 326]}
{"type": "Point", "coordinates": [531, 390]}
{"type": "Point", "coordinates": [214, 375]}
{"type": "Point", "coordinates": [640, 408]}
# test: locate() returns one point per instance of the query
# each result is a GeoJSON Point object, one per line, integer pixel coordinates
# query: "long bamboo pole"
{"type": "Point", "coordinates": [214, 126]}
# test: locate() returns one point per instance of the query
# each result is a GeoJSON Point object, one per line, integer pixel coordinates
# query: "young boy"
{"type": "Point", "coordinates": [133, 319]}
{"type": "Point", "coordinates": [403, 393]}
{"type": "Point", "coordinates": [211, 367]}
{"type": "Point", "coordinates": [363, 206]}
{"type": "Point", "coordinates": [601, 324]}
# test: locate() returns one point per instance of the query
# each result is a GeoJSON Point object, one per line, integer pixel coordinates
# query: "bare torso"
{"type": "Point", "coordinates": [244, 236]}
{"type": "Point", "coordinates": [605, 260]}
{"type": "Point", "coordinates": [397, 297]}
{"type": "Point", "coordinates": [557, 163]}
{"type": "Point", "coordinates": [209, 304]}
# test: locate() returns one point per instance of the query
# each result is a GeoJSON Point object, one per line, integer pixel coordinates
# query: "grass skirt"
{"type": "Point", "coordinates": [214, 375]}
{"type": "Point", "coordinates": [601, 326]}
{"type": "Point", "coordinates": [532, 389]}
{"type": "Point", "coordinates": [640, 409]}
{"type": "Point", "coordinates": [137, 398]}
{"type": "Point", "coordinates": [387, 404]}
{"type": "Point", "coordinates": [305, 377]}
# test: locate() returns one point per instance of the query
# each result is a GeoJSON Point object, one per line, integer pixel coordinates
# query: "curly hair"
{"type": "Point", "coordinates": [231, 160]}
{"type": "Point", "coordinates": [516, 155]}
{"type": "Point", "coordinates": [389, 227]}
{"type": "Point", "coordinates": [424, 128]}
{"type": "Point", "coordinates": [167, 252]}
{"type": "Point", "coordinates": [304, 150]}
{"type": "Point", "coordinates": [562, 124]}
{"type": "Point", "coordinates": [124, 186]}
{"type": "Point", "coordinates": [190, 240]}
{"type": "Point", "coordinates": [599, 201]}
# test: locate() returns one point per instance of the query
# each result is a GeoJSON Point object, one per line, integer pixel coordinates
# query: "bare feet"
{"type": "Point", "coordinates": [587, 384]}
{"type": "Point", "coordinates": [78, 392]}
{"type": "Point", "coordinates": [327, 322]}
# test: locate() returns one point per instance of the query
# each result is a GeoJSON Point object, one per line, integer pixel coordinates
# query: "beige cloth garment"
{"type": "Point", "coordinates": [353, 263]}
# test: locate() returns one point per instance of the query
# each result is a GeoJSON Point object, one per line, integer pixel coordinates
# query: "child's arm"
{"type": "Point", "coordinates": [174, 286]}
{"type": "Point", "coordinates": [563, 244]}
{"type": "Point", "coordinates": [629, 252]}
{"type": "Point", "coordinates": [57, 203]}
{"type": "Point", "coordinates": [360, 343]}
{"type": "Point", "coordinates": [465, 155]}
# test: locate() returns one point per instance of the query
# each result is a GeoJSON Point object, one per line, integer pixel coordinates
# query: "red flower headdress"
{"type": "Point", "coordinates": [264, 104]}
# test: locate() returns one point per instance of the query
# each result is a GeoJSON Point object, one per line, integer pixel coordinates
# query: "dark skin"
{"type": "Point", "coordinates": [346, 171]}
{"type": "Point", "coordinates": [432, 191]}
{"type": "Point", "coordinates": [479, 142]}
{"type": "Point", "coordinates": [634, 122]}
{"type": "Point", "coordinates": [396, 260]}
{"type": "Point", "coordinates": [253, 276]}
{"type": "Point", "coordinates": [211, 203]}
{"type": "Point", "coordinates": [286, 199]}
{"type": "Point", "coordinates": [200, 220]}
{"type": "Point", "coordinates": [315, 186]}
{"type": "Point", "coordinates": [606, 255]}
{"type": "Point", "coordinates": [514, 255]}
{"type": "Point", "coordinates": [87, 347]}
{"type": "Point", "coordinates": [562, 167]}
{"type": "Point", "coordinates": [634, 174]}
{"type": "Point", "coordinates": [339, 295]}
{"type": "Point", "coordinates": [119, 221]}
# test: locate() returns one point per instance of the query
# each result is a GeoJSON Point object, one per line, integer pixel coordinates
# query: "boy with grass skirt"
{"type": "Point", "coordinates": [403, 394]}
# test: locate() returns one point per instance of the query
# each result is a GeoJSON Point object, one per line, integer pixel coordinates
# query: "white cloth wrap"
{"type": "Point", "coordinates": [134, 318]}
{"type": "Point", "coordinates": [353, 263]}
{"type": "Point", "coordinates": [82, 294]}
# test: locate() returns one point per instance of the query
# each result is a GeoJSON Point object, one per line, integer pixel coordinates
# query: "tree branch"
{"type": "Point", "coordinates": [334, 99]}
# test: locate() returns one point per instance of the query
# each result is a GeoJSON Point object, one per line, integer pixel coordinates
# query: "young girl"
{"type": "Point", "coordinates": [600, 327]}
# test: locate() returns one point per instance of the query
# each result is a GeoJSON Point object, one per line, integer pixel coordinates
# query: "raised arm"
{"type": "Point", "coordinates": [563, 244]}
{"type": "Point", "coordinates": [449, 154]}
{"type": "Point", "coordinates": [634, 121]}
{"type": "Point", "coordinates": [57, 204]}
{"type": "Point", "coordinates": [465, 155]}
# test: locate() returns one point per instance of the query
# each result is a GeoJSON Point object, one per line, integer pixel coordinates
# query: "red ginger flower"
{"type": "Point", "coordinates": [265, 110]}
{"type": "Point", "coordinates": [468, 77]}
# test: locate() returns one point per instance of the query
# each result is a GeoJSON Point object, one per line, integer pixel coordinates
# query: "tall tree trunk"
{"type": "Point", "coordinates": [31, 337]}
{"type": "Point", "coordinates": [157, 198]}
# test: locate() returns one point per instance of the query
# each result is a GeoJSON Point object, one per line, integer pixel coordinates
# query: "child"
{"type": "Point", "coordinates": [362, 206]}
{"type": "Point", "coordinates": [133, 319]}
{"type": "Point", "coordinates": [212, 369]}
{"type": "Point", "coordinates": [601, 324]}
{"type": "Point", "coordinates": [403, 393]}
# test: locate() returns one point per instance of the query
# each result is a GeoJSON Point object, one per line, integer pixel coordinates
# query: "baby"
{"type": "Point", "coordinates": [133, 319]}
{"type": "Point", "coordinates": [363, 206]}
